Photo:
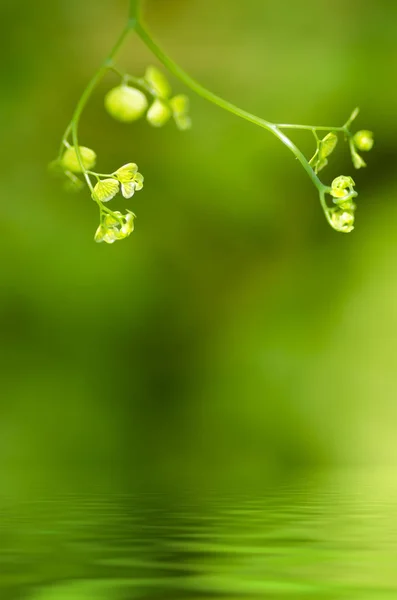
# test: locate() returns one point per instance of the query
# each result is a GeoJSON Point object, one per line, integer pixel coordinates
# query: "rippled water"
{"type": "Point", "coordinates": [319, 537]}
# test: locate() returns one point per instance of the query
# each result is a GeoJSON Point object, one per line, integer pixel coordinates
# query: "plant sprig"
{"type": "Point", "coordinates": [151, 96]}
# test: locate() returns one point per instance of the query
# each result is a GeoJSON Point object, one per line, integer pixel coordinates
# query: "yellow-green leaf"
{"type": "Point", "coordinates": [328, 145]}
{"type": "Point", "coordinates": [106, 189]}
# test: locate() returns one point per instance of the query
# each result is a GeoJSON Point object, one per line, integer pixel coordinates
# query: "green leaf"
{"type": "Point", "coordinates": [106, 189]}
{"type": "Point", "coordinates": [325, 148]}
{"type": "Point", "coordinates": [328, 145]}
{"type": "Point", "coordinates": [321, 165]}
{"type": "Point", "coordinates": [313, 161]}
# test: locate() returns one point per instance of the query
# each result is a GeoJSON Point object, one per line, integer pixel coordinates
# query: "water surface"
{"type": "Point", "coordinates": [330, 536]}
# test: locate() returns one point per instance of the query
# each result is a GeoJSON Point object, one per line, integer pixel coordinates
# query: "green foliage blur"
{"type": "Point", "coordinates": [234, 335]}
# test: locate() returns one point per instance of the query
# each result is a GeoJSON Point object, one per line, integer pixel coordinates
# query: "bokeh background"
{"type": "Point", "coordinates": [234, 337]}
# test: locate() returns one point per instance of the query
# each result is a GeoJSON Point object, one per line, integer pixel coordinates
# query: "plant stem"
{"type": "Point", "coordinates": [311, 127]}
{"type": "Point", "coordinates": [134, 23]}
{"type": "Point", "coordinates": [211, 97]}
{"type": "Point", "coordinates": [134, 11]}
{"type": "Point", "coordinates": [325, 207]}
{"type": "Point", "coordinates": [74, 124]}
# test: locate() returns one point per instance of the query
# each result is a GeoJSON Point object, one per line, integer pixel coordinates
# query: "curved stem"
{"type": "Point", "coordinates": [325, 207]}
{"type": "Point", "coordinates": [64, 141]}
{"type": "Point", "coordinates": [134, 23]}
{"type": "Point", "coordinates": [225, 105]}
{"type": "Point", "coordinates": [74, 124]}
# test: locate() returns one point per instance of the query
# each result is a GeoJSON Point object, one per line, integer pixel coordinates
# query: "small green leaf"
{"type": "Point", "coordinates": [313, 161]}
{"type": "Point", "coordinates": [106, 189]}
{"type": "Point", "coordinates": [328, 145]}
{"type": "Point", "coordinates": [321, 165]}
{"type": "Point", "coordinates": [325, 148]}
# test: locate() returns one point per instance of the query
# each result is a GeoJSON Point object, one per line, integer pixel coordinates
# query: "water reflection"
{"type": "Point", "coordinates": [324, 537]}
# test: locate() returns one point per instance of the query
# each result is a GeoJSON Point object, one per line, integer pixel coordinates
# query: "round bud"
{"type": "Point", "coordinates": [343, 221]}
{"type": "Point", "coordinates": [70, 162]}
{"type": "Point", "coordinates": [125, 103]}
{"type": "Point", "coordinates": [342, 187]}
{"type": "Point", "coordinates": [364, 140]}
{"type": "Point", "coordinates": [158, 114]}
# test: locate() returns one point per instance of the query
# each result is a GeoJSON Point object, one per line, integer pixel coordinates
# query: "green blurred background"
{"type": "Point", "coordinates": [234, 336]}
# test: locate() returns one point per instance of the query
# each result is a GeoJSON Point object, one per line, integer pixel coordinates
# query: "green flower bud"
{"type": "Point", "coordinates": [342, 187]}
{"type": "Point", "coordinates": [70, 161]}
{"type": "Point", "coordinates": [105, 190]}
{"type": "Point", "coordinates": [158, 114]}
{"type": "Point", "coordinates": [343, 221]}
{"type": "Point", "coordinates": [115, 227]}
{"type": "Point", "coordinates": [111, 236]}
{"type": "Point", "coordinates": [364, 140]}
{"type": "Point", "coordinates": [125, 103]}
{"type": "Point", "coordinates": [126, 172]}
{"type": "Point", "coordinates": [346, 204]}
{"type": "Point", "coordinates": [112, 220]}
{"type": "Point", "coordinates": [158, 83]}
{"type": "Point", "coordinates": [131, 181]}
{"type": "Point", "coordinates": [128, 226]}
